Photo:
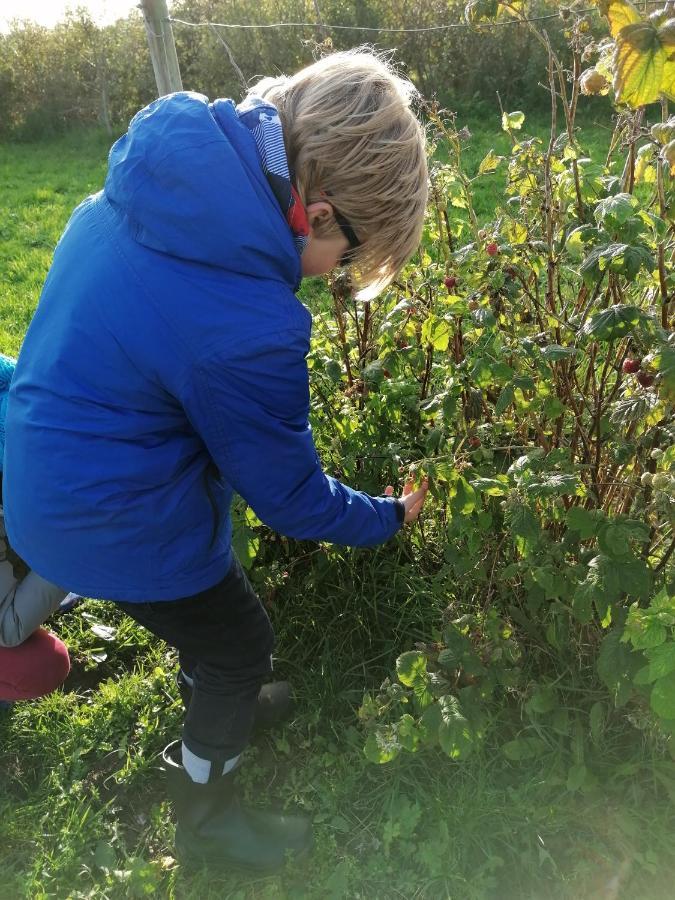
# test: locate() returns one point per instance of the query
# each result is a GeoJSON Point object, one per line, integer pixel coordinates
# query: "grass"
{"type": "Point", "coordinates": [82, 806]}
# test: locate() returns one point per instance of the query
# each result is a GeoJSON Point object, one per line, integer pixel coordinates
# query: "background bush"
{"type": "Point", "coordinates": [78, 73]}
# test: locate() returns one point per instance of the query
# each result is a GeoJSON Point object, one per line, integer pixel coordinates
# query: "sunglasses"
{"type": "Point", "coordinates": [345, 227]}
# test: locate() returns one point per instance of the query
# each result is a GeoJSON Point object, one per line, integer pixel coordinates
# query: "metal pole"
{"type": "Point", "coordinates": [162, 47]}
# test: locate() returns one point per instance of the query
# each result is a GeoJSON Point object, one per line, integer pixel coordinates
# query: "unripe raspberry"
{"type": "Point", "coordinates": [593, 82]}
{"type": "Point", "coordinates": [661, 481]}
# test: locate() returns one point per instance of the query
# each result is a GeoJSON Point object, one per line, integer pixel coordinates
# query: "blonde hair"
{"type": "Point", "coordinates": [352, 138]}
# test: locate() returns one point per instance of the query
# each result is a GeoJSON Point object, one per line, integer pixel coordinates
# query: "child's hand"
{"type": "Point", "coordinates": [412, 500]}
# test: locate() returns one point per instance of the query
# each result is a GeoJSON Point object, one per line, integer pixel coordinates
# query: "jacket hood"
{"type": "Point", "coordinates": [188, 178]}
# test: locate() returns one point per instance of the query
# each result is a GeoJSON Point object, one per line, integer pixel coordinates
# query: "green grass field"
{"type": "Point", "coordinates": [82, 807]}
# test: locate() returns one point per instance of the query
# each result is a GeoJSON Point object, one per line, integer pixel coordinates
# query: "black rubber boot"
{"type": "Point", "coordinates": [274, 704]}
{"type": "Point", "coordinates": [214, 829]}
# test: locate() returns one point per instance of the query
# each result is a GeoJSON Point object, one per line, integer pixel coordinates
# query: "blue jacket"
{"type": "Point", "coordinates": [165, 369]}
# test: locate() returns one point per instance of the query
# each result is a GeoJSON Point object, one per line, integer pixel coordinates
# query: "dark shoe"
{"type": "Point", "coordinates": [275, 702]}
{"type": "Point", "coordinates": [213, 828]}
{"type": "Point", "coordinates": [70, 601]}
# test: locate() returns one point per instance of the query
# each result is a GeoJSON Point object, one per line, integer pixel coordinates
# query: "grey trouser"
{"type": "Point", "coordinates": [25, 603]}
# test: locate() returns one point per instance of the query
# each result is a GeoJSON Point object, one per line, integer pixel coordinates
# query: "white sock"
{"type": "Point", "coordinates": [199, 769]}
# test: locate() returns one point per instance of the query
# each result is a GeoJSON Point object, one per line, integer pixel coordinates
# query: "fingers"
{"type": "Point", "coordinates": [414, 501]}
{"type": "Point", "coordinates": [389, 491]}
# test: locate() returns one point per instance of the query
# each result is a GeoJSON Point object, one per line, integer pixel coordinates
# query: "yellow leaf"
{"type": "Point", "coordinates": [667, 38]}
{"type": "Point", "coordinates": [620, 14]}
{"type": "Point", "coordinates": [490, 163]}
{"type": "Point", "coordinates": [639, 63]}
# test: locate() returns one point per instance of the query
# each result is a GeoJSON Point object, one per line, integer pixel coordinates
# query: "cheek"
{"type": "Point", "coordinates": [318, 259]}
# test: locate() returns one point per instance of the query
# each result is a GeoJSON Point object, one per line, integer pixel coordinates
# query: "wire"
{"type": "Point", "coordinates": [328, 27]}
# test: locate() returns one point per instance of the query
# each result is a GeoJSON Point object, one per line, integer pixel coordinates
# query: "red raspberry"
{"type": "Point", "coordinates": [451, 283]}
{"type": "Point", "coordinates": [631, 366]}
{"type": "Point", "coordinates": [492, 249]}
{"type": "Point", "coordinates": [645, 379]}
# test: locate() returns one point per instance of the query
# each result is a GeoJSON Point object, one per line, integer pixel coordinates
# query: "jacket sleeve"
{"type": "Point", "coordinates": [251, 410]}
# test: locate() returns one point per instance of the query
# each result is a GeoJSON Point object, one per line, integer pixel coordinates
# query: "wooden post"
{"type": "Point", "coordinates": [162, 47]}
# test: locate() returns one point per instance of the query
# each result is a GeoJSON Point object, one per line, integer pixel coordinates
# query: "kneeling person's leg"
{"type": "Point", "coordinates": [24, 604]}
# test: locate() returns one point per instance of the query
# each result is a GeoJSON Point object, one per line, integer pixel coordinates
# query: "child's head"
{"type": "Point", "coordinates": [357, 150]}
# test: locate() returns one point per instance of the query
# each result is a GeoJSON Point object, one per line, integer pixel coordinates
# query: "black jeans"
{"type": "Point", "coordinates": [224, 639]}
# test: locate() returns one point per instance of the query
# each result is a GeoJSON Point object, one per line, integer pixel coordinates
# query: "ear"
{"type": "Point", "coordinates": [318, 213]}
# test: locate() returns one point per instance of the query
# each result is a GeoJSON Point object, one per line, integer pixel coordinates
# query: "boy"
{"type": "Point", "coordinates": [165, 369]}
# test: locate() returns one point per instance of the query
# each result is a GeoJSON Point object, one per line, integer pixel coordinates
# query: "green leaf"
{"type": "Point", "coordinates": [483, 317]}
{"type": "Point", "coordinates": [543, 700]}
{"type": "Point", "coordinates": [455, 734]}
{"type": "Point", "coordinates": [597, 721]}
{"type": "Point", "coordinates": [556, 484]}
{"type": "Point", "coordinates": [554, 352]}
{"type": "Point", "coordinates": [513, 121]}
{"type": "Point", "coordinates": [436, 331]}
{"type": "Point", "coordinates": [614, 537]}
{"type": "Point", "coordinates": [382, 745]}
{"type": "Point", "coordinates": [523, 748]}
{"type": "Point", "coordinates": [616, 667]}
{"type": "Point", "coordinates": [614, 211]}
{"type": "Point", "coordinates": [481, 372]}
{"type": "Point", "coordinates": [661, 660]}
{"type": "Point", "coordinates": [612, 323]}
{"type": "Point", "coordinates": [644, 629]}
{"type": "Point", "coordinates": [548, 578]}
{"type": "Point", "coordinates": [636, 577]}
{"type": "Point", "coordinates": [411, 666]}
{"type": "Point", "coordinates": [334, 370]}
{"type": "Point", "coordinates": [450, 659]}
{"type": "Point", "coordinates": [663, 697]}
{"type": "Point", "coordinates": [429, 724]}
{"type": "Point", "coordinates": [667, 370]}
{"type": "Point", "coordinates": [603, 581]}
{"type": "Point", "coordinates": [523, 522]}
{"type": "Point", "coordinates": [105, 857]}
{"type": "Point", "coordinates": [464, 500]}
{"type": "Point", "coordinates": [493, 487]}
{"type": "Point", "coordinates": [504, 400]}
{"type": "Point", "coordinates": [408, 735]}
{"type": "Point", "coordinates": [582, 604]}
{"type": "Point", "coordinates": [583, 521]}
{"type": "Point", "coordinates": [245, 544]}
{"type": "Point", "coordinates": [641, 677]}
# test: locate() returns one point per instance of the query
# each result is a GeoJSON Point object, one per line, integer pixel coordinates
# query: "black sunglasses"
{"type": "Point", "coordinates": [350, 234]}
